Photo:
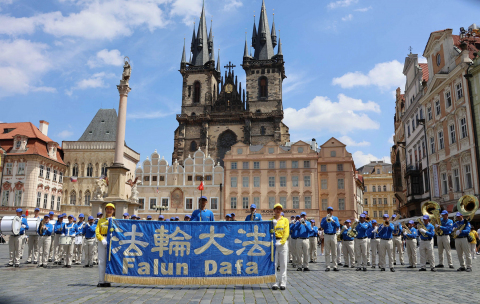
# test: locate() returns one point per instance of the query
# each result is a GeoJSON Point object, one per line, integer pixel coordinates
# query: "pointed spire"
{"type": "Point", "coordinates": [274, 32]}
{"type": "Point", "coordinates": [263, 46]}
{"type": "Point", "coordinates": [245, 52]}
{"type": "Point", "coordinates": [201, 54]}
{"type": "Point", "coordinates": [193, 38]}
{"type": "Point", "coordinates": [218, 61]}
{"type": "Point", "coordinates": [279, 47]}
{"type": "Point", "coordinates": [254, 33]}
{"type": "Point", "coordinates": [183, 54]}
{"type": "Point", "coordinates": [210, 41]}
{"type": "Point", "coordinates": [212, 52]}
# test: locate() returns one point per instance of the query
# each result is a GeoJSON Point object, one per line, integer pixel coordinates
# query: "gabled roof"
{"type": "Point", "coordinates": [473, 44]}
{"type": "Point", "coordinates": [22, 128]}
{"type": "Point", "coordinates": [103, 127]}
{"type": "Point", "coordinates": [424, 67]}
{"type": "Point", "coordinates": [339, 143]}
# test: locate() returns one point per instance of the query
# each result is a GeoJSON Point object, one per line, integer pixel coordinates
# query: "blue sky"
{"type": "Point", "coordinates": [60, 61]}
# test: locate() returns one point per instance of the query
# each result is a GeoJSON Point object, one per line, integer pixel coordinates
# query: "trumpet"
{"type": "Point", "coordinates": [385, 224]}
{"type": "Point", "coordinates": [329, 218]}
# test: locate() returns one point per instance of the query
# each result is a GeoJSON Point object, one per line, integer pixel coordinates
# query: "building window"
{"type": "Point", "coordinates": [52, 203]}
{"type": "Point", "coordinates": [324, 204]}
{"type": "Point", "coordinates": [89, 170]}
{"type": "Point", "coordinates": [196, 92]}
{"type": "Point", "coordinates": [385, 201]}
{"type": "Point", "coordinates": [375, 214]}
{"type": "Point", "coordinates": [463, 127]}
{"type": "Point", "coordinates": [233, 203]}
{"type": "Point", "coordinates": [283, 181]}
{"type": "Point", "coordinates": [54, 175]}
{"type": "Point", "coordinates": [448, 99]}
{"type": "Point", "coordinates": [87, 198]}
{"type": "Point", "coordinates": [333, 153]}
{"type": "Point", "coordinates": [384, 188]}
{"type": "Point", "coordinates": [374, 201]}
{"type": "Point", "coordinates": [60, 177]}
{"type": "Point", "coordinates": [468, 177]}
{"type": "Point", "coordinates": [324, 184]}
{"type": "Point", "coordinates": [271, 165]}
{"type": "Point", "coordinates": [456, 180]}
{"type": "Point", "coordinates": [379, 188]}
{"type": "Point", "coordinates": [239, 151]}
{"type": "Point", "coordinates": [21, 169]}
{"type": "Point", "coordinates": [6, 196]}
{"type": "Point", "coordinates": [141, 203]}
{"type": "Point", "coordinates": [374, 189]}
{"type": "Point", "coordinates": [233, 182]}
{"type": "Point", "coordinates": [440, 140]}
{"type": "Point", "coordinates": [73, 198]}
{"type": "Point", "coordinates": [233, 165]}
{"type": "Point", "coordinates": [459, 90]}
{"type": "Point", "coordinates": [153, 203]}
{"type": "Point", "coordinates": [104, 169]}
{"type": "Point", "coordinates": [423, 149]}
{"type": "Point", "coordinates": [421, 113]}
{"type": "Point", "coordinates": [294, 181]}
{"type": "Point", "coordinates": [245, 181]}
{"type": "Point", "coordinates": [40, 174]}
{"type": "Point", "coordinates": [147, 178]}
{"type": "Point", "coordinates": [47, 175]}
{"type": "Point", "coordinates": [193, 146]}
{"type": "Point", "coordinates": [294, 164]}
{"type": "Point", "coordinates": [408, 130]}
{"type": "Point", "coordinates": [263, 86]}
{"type": "Point", "coordinates": [59, 199]}
{"type": "Point", "coordinates": [413, 124]}
{"type": "Point", "coordinates": [429, 113]}
{"type": "Point", "coordinates": [18, 144]}
{"type": "Point", "coordinates": [340, 183]}
{"type": "Point", "coordinates": [207, 178]}
{"type": "Point", "coordinates": [432, 145]}
{"type": "Point", "coordinates": [245, 165]}
{"type": "Point", "coordinates": [74, 170]}
{"type": "Point", "coordinates": [437, 108]}
{"type": "Point", "coordinates": [306, 164]}
{"type": "Point", "coordinates": [270, 150]}
{"type": "Point", "coordinates": [271, 181]}
{"type": "Point", "coordinates": [45, 200]}
{"type": "Point", "coordinates": [154, 178]}
{"type": "Point", "coordinates": [295, 202]}
{"type": "Point", "coordinates": [308, 202]}
{"type": "Point", "coordinates": [262, 130]}
{"type": "Point", "coordinates": [283, 201]}
{"type": "Point", "coordinates": [323, 168]}
{"type": "Point", "coordinates": [444, 183]}
{"type": "Point", "coordinates": [39, 199]}
{"type": "Point", "coordinates": [165, 201]}
{"type": "Point", "coordinates": [256, 165]}
{"type": "Point", "coordinates": [256, 181]}
{"type": "Point", "coordinates": [283, 164]}
{"type": "Point", "coordinates": [451, 129]}
{"type": "Point", "coordinates": [300, 150]}
{"type": "Point", "coordinates": [245, 204]}
{"type": "Point", "coordinates": [341, 204]}
{"type": "Point", "coordinates": [365, 202]}
{"type": "Point", "coordinates": [214, 203]}
{"type": "Point", "coordinates": [340, 167]}
{"type": "Point", "coordinates": [271, 202]}
{"type": "Point", "coordinates": [306, 180]}
{"type": "Point", "coordinates": [189, 203]}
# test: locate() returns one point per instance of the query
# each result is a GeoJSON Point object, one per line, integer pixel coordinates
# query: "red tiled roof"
{"type": "Point", "coordinates": [424, 67]}
{"type": "Point", "coordinates": [37, 141]}
{"type": "Point", "coordinates": [473, 44]}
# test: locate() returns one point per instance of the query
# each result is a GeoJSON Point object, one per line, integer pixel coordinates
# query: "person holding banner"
{"type": "Point", "coordinates": [282, 231]}
{"type": "Point", "coordinates": [101, 234]}
{"type": "Point", "coordinates": [202, 214]}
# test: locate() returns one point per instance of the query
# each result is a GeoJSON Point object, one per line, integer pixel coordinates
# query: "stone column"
{"type": "Point", "coordinates": [123, 90]}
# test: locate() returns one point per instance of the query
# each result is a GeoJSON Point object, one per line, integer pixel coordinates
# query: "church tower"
{"type": "Point", "coordinates": [216, 113]}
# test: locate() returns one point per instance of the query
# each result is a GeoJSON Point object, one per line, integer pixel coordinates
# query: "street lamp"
{"type": "Point", "coordinates": [422, 122]}
{"type": "Point", "coordinates": [160, 208]}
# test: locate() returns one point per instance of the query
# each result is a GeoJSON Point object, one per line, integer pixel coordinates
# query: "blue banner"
{"type": "Point", "coordinates": [205, 253]}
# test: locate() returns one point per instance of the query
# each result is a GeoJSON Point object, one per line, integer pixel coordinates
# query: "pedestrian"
{"type": "Point", "coordinates": [426, 244]}
{"type": "Point", "coordinates": [79, 240]}
{"type": "Point", "coordinates": [473, 243]}
{"type": "Point", "coordinates": [304, 228]}
{"type": "Point", "coordinates": [281, 227]}
{"type": "Point", "coordinates": [202, 214]}
{"type": "Point", "coordinates": [443, 241]}
{"type": "Point", "coordinates": [69, 231]}
{"type": "Point", "coordinates": [58, 249]}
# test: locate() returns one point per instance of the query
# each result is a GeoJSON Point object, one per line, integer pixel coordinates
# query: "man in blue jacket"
{"type": "Point", "coordinates": [443, 241]}
{"type": "Point", "coordinates": [202, 214]}
{"type": "Point", "coordinates": [462, 229]}
{"type": "Point", "coordinates": [89, 233]}
{"type": "Point", "coordinates": [361, 243]}
{"type": "Point", "coordinates": [304, 228]}
{"type": "Point", "coordinates": [385, 232]}
{"type": "Point", "coordinates": [253, 216]}
{"type": "Point", "coordinates": [426, 244]}
{"type": "Point", "coordinates": [15, 241]}
{"type": "Point", "coordinates": [411, 245]}
{"type": "Point", "coordinates": [44, 234]}
{"type": "Point", "coordinates": [330, 226]}
{"type": "Point", "coordinates": [312, 238]}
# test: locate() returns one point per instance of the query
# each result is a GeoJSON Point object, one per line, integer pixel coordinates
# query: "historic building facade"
{"type": "Point", "coordinates": [176, 186]}
{"type": "Point", "coordinates": [88, 160]}
{"type": "Point", "coordinates": [33, 169]}
{"type": "Point", "coordinates": [216, 112]}
{"type": "Point", "coordinates": [337, 181]}
{"type": "Point", "coordinates": [379, 195]}
{"type": "Point", "coordinates": [265, 175]}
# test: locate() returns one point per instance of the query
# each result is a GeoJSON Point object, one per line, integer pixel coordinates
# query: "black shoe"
{"type": "Point", "coordinates": [433, 269]}
{"type": "Point", "coordinates": [439, 266]}
{"type": "Point", "coordinates": [73, 261]}
{"type": "Point", "coordinates": [86, 266]}
{"type": "Point", "coordinates": [345, 266]}
{"type": "Point", "coordinates": [364, 268]}
{"type": "Point", "coordinates": [278, 268]}
{"type": "Point", "coordinates": [35, 262]}
{"type": "Point", "coordinates": [65, 266]}
{"type": "Point", "coordinates": [339, 264]}
{"type": "Point", "coordinates": [469, 270]}
{"type": "Point", "coordinates": [49, 260]}
{"type": "Point", "coordinates": [451, 266]}
{"type": "Point", "coordinates": [402, 263]}
{"type": "Point", "coordinates": [422, 269]}
{"type": "Point", "coordinates": [410, 266]}
{"type": "Point", "coordinates": [394, 263]}
{"type": "Point", "coordinates": [69, 266]}
{"type": "Point", "coordinates": [293, 265]}
{"type": "Point", "coordinates": [290, 261]}
{"type": "Point", "coordinates": [17, 265]}
{"type": "Point", "coordinates": [352, 266]}
{"type": "Point", "coordinates": [107, 285]}
{"type": "Point", "coordinates": [21, 257]}
{"type": "Point", "coordinates": [40, 265]}
{"type": "Point", "coordinates": [282, 287]}
{"type": "Point", "coordinates": [274, 287]}
{"type": "Point", "coordinates": [306, 269]}
{"type": "Point", "coordinates": [100, 285]}
{"type": "Point", "coordinates": [428, 263]}
{"type": "Point", "coordinates": [358, 269]}
{"type": "Point", "coordinates": [383, 269]}
{"type": "Point", "coordinates": [9, 265]}
{"type": "Point", "coordinates": [392, 269]}
{"type": "Point", "coordinates": [45, 266]}
{"type": "Point", "coordinates": [373, 266]}
{"type": "Point", "coordinates": [461, 269]}
{"type": "Point", "coordinates": [311, 261]}
{"type": "Point", "coordinates": [327, 269]}
{"type": "Point", "coordinates": [55, 263]}
{"type": "Point", "coordinates": [299, 269]}
{"type": "Point", "coordinates": [28, 262]}
{"type": "Point", "coordinates": [369, 264]}
{"type": "Point", "coordinates": [335, 269]}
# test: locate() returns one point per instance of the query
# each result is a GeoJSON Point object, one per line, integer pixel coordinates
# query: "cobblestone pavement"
{"type": "Point", "coordinates": [29, 284]}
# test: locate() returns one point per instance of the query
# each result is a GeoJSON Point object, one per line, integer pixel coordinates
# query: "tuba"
{"type": "Point", "coordinates": [467, 205]}
{"type": "Point", "coordinates": [421, 225]}
{"type": "Point", "coordinates": [353, 232]}
{"type": "Point", "coordinates": [432, 209]}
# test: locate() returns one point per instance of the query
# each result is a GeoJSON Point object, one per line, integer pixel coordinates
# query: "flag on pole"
{"type": "Point", "coordinates": [158, 190]}
{"type": "Point", "coordinates": [201, 188]}
{"type": "Point", "coordinates": [73, 179]}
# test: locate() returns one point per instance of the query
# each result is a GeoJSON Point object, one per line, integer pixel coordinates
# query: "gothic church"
{"type": "Point", "coordinates": [216, 111]}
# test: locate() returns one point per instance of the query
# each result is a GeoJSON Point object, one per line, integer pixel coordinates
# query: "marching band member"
{"type": "Point", "coordinates": [290, 242]}
{"type": "Point", "coordinates": [57, 248]}
{"type": "Point", "coordinates": [101, 234]}
{"type": "Point", "coordinates": [374, 241]}
{"type": "Point", "coordinates": [126, 215]}
{"type": "Point", "coordinates": [69, 230]}
{"type": "Point", "coordinates": [281, 227]}
{"type": "Point", "coordinates": [78, 250]}
{"type": "Point", "coordinates": [233, 216]}
{"type": "Point", "coordinates": [202, 214]}
{"type": "Point", "coordinates": [347, 245]}
{"type": "Point", "coordinates": [443, 241]}
{"type": "Point", "coordinates": [33, 243]}
{"type": "Point", "coordinates": [253, 216]}
{"type": "Point", "coordinates": [330, 225]}
{"type": "Point", "coordinates": [51, 255]}
{"type": "Point", "coordinates": [15, 241]}
{"type": "Point", "coordinates": [386, 244]}
{"type": "Point", "coordinates": [89, 233]}
{"type": "Point", "coordinates": [462, 229]}
{"type": "Point", "coordinates": [339, 246]}
{"type": "Point", "coordinates": [161, 218]}
{"type": "Point", "coordinates": [411, 245]}
{"type": "Point", "coordinates": [132, 217]}
{"type": "Point", "coordinates": [361, 243]}
{"type": "Point", "coordinates": [368, 239]}
{"type": "Point", "coordinates": [294, 235]}
{"type": "Point", "coordinates": [187, 218]}
{"type": "Point", "coordinates": [426, 244]}
{"type": "Point", "coordinates": [304, 228]}
{"type": "Point", "coordinates": [24, 240]}
{"type": "Point", "coordinates": [312, 238]}
{"type": "Point", "coordinates": [397, 241]}
{"type": "Point", "coordinates": [149, 217]}
{"type": "Point", "coordinates": [45, 230]}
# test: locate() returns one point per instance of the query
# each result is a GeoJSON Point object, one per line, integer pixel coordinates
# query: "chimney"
{"type": "Point", "coordinates": [44, 127]}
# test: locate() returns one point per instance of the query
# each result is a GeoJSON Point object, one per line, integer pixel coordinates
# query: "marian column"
{"type": "Point", "coordinates": [123, 90]}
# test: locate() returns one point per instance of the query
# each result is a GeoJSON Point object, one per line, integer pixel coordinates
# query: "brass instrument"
{"type": "Point", "coordinates": [329, 218]}
{"type": "Point", "coordinates": [353, 232]}
{"type": "Point", "coordinates": [467, 205]}
{"type": "Point", "coordinates": [367, 218]}
{"type": "Point", "coordinates": [421, 225]}
{"type": "Point", "coordinates": [341, 232]}
{"type": "Point", "coordinates": [432, 209]}
{"type": "Point", "coordinates": [41, 227]}
{"type": "Point", "coordinates": [406, 229]}
{"type": "Point", "coordinates": [385, 224]}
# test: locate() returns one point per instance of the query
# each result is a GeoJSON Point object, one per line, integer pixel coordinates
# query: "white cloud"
{"type": "Point", "coordinates": [341, 3]}
{"type": "Point", "coordinates": [347, 17]}
{"type": "Point", "coordinates": [364, 9]}
{"type": "Point", "coordinates": [97, 80]}
{"type": "Point", "coordinates": [22, 63]}
{"type": "Point", "coordinates": [422, 59]}
{"type": "Point", "coordinates": [44, 89]}
{"type": "Point", "coordinates": [188, 9]}
{"type": "Point", "coordinates": [350, 142]}
{"type": "Point", "coordinates": [324, 115]}
{"type": "Point", "coordinates": [65, 134]}
{"type": "Point", "coordinates": [390, 139]}
{"type": "Point", "coordinates": [232, 4]}
{"type": "Point", "coordinates": [106, 57]}
{"type": "Point", "coordinates": [385, 75]}
{"type": "Point", "coordinates": [295, 81]}
{"type": "Point", "coordinates": [149, 115]}
{"type": "Point", "coordinates": [17, 26]}
{"type": "Point", "coordinates": [362, 159]}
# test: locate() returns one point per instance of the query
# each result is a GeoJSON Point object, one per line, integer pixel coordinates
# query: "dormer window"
{"type": "Point", "coordinates": [439, 59]}
{"type": "Point", "coordinates": [17, 146]}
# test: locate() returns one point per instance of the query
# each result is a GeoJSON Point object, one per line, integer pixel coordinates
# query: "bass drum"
{"type": "Point", "coordinates": [33, 224]}
{"type": "Point", "coordinates": [11, 225]}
